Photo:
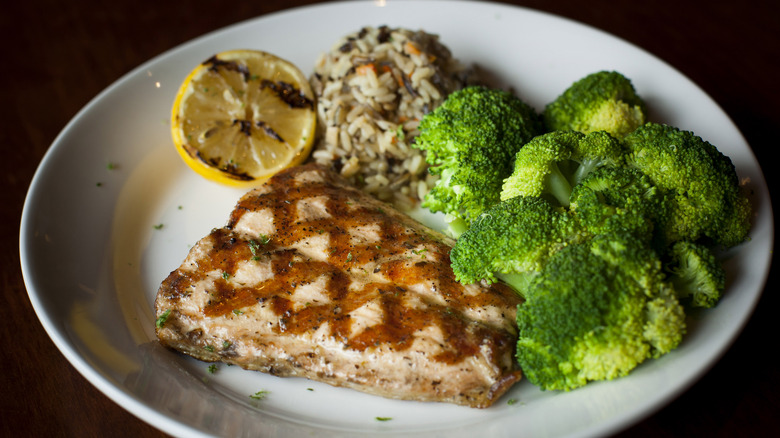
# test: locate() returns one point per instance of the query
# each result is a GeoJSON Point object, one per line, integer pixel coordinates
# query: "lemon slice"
{"type": "Point", "coordinates": [243, 115]}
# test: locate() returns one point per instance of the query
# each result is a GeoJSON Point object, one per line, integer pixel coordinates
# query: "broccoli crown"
{"type": "Point", "coordinates": [617, 198]}
{"type": "Point", "coordinates": [602, 101]}
{"type": "Point", "coordinates": [597, 310]}
{"type": "Point", "coordinates": [470, 140]}
{"type": "Point", "coordinates": [551, 164]}
{"type": "Point", "coordinates": [697, 276]}
{"type": "Point", "coordinates": [705, 198]}
{"type": "Point", "coordinates": [511, 241]}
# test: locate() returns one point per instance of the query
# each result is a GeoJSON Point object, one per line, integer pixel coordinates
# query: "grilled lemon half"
{"type": "Point", "coordinates": [243, 115]}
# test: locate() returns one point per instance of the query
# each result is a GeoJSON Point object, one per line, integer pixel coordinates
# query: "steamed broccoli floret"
{"type": "Point", "coordinates": [597, 310]}
{"type": "Point", "coordinates": [705, 198]}
{"type": "Point", "coordinates": [602, 224]}
{"type": "Point", "coordinates": [603, 101]}
{"type": "Point", "coordinates": [696, 274]}
{"type": "Point", "coordinates": [551, 164]}
{"type": "Point", "coordinates": [470, 140]}
{"type": "Point", "coordinates": [511, 241]}
{"type": "Point", "coordinates": [617, 198]}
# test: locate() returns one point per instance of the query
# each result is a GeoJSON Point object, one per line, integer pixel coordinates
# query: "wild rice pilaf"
{"type": "Point", "coordinates": [372, 89]}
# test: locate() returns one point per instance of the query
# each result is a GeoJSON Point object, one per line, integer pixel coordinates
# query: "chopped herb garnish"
{"type": "Point", "coordinates": [162, 318]}
{"type": "Point", "coordinates": [400, 133]}
{"type": "Point", "coordinates": [158, 226]}
{"type": "Point", "coordinates": [237, 311]}
{"type": "Point", "coordinates": [384, 418]}
{"type": "Point", "coordinates": [511, 401]}
{"type": "Point", "coordinates": [349, 257]}
{"type": "Point", "coordinates": [99, 184]}
{"type": "Point", "coordinates": [259, 395]}
{"type": "Point", "coordinates": [212, 368]}
{"type": "Point", "coordinates": [225, 275]}
{"type": "Point", "coordinates": [209, 348]}
{"type": "Point", "coordinates": [253, 247]}
{"type": "Point", "coordinates": [310, 389]}
{"type": "Point", "coordinates": [111, 166]}
{"type": "Point", "coordinates": [227, 344]}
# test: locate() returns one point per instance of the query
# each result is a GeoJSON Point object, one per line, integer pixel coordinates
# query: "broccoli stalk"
{"type": "Point", "coordinates": [512, 241]}
{"type": "Point", "coordinates": [469, 140]}
{"type": "Point", "coordinates": [550, 165]}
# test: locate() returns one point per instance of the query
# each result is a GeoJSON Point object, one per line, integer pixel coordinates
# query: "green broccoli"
{"type": "Point", "coordinates": [551, 164]}
{"type": "Point", "coordinates": [604, 224]}
{"type": "Point", "coordinates": [512, 241]}
{"type": "Point", "coordinates": [469, 140]}
{"type": "Point", "coordinates": [705, 198]}
{"type": "Point", "coordinates": [696, 274]}
{"type": "Point", "coordinates": [597, 310]}
{"type": "Point", "coordinates": [603, 101]}
{"type": "Point", "coordinates": [617, 198]}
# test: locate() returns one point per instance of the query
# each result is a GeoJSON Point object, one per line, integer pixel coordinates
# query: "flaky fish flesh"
{"type": "Point", "coordinates": [314, 278]}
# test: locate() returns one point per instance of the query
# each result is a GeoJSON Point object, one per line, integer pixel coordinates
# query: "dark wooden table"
{"type": "Point", "coordinates": [59, 55]}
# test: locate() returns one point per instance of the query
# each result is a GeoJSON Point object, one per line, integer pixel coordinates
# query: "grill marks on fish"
{"type": "Point", "coordinates": [345, 267]}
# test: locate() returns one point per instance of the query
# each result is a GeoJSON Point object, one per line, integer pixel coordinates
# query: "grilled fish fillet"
{"type": "Point", "coordinates": [313, 278]}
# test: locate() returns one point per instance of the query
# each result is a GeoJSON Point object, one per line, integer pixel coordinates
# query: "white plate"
{"type": "Point", "coordinates": [93, 257]}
